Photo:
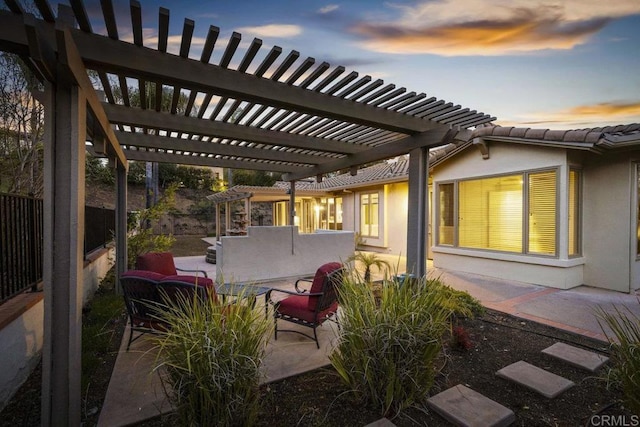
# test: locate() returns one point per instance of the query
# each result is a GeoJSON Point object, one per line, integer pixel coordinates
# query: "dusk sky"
{"type": "Point", "coordinates": [558, 64]}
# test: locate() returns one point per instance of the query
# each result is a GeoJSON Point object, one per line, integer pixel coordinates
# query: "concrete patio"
{"type": "Point", "coordinates": [135, 392]}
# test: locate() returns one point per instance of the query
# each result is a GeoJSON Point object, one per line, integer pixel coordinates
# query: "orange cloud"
{"type": "Point", "coordinates": [582, 116]}
{"type": "Point", "coordinates": [607, 109]}
{"type": "Point", "coordinates": [521, 33]}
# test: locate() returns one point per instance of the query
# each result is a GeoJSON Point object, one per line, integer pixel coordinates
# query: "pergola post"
{"type": "Point", "coordinates": [64, 163]}
{"type": "Point", "coordinates": [417, 218]}
{"type": "Point", "coordinates": [121, 223]}
{"type": "Point", "coordinates": [218, 227]}
{"type": "Point", "coordinates": [292, 203]}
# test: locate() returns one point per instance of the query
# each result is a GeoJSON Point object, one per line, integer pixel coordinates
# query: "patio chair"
{"type": "Point", "coordinates": [313, 307]}
{"type": "Point", "coordinates": [161, 262]}
{"type": "Point", "coordinates": [145, 292]}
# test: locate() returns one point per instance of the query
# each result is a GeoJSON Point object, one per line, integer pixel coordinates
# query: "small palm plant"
{"type": "Point", "coordinates": [369, 260]}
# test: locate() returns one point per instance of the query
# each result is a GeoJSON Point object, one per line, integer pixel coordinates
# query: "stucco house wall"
{"type": "Point", "coordinates": [609, 200]}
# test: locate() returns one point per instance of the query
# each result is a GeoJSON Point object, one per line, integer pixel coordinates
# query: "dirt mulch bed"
{"type": "Point", "coordinates": [318, 398]}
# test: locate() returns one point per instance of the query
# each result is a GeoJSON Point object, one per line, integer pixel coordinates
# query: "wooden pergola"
{"type": "Point", "coordinates": [271, 112]}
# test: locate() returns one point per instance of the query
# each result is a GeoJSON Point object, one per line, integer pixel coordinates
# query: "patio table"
{"type": "Point", "coordinates": [245, 290]}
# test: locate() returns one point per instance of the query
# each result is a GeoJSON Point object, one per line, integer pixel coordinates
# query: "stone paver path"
{"type": "Point", "coordinates": [544, 382]}
{"type": "Point", "coordinates": [465, 407]}
{"type": "Point", "coordinates": [576, 356]}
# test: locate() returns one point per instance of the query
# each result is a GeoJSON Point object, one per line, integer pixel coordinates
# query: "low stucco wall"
{"type": "Point", "coordinates": [268, 253]}
{"type": "Point", "coordinates": [22, 338]}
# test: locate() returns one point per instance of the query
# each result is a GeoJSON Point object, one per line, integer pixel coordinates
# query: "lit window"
{"type": "Point", "coordinates": [369, 215]}
{"type": "Point", "coordinates": [574, 210]}
{"type": "Point", "coordinates": [446, 214]}
{"type": "Point", "coordinates": [502, 213]}
{"type": "Point", "coordinates": [542, 213]}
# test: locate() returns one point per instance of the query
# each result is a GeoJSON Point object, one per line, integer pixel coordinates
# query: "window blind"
{"type": "Point", "coordinates": [542, 213]}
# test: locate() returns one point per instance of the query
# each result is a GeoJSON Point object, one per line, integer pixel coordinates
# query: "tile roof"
{"type": "Point", "coordinates": [605, 137]}
{"type": "Point", "coordinates": [609, 137]}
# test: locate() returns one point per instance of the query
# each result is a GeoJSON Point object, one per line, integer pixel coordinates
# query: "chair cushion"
{"type": "Point", "coordinates": [160, 262]}
{"type": "Point", "coordinates": [194, 280]}
{"type": "Point", "coordinates": [145, 274]}
{"type": "Point", "coordinates": [318, 281]}
{"type": "Point", "coordinates": [297, 306]}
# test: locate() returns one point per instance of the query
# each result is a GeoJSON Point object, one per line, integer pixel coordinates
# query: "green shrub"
{"type": "Point", "coordinates": [389, 345]}
{"type": "Point", "coordinates": [625, 348]}
{"type": "Point", "coordinates": [212, 355]}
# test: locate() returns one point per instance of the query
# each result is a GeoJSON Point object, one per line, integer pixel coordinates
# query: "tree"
{"type": "Point", "coordinates": [251, 177]}
{"type": "Point", "coordinates": [21, 128]}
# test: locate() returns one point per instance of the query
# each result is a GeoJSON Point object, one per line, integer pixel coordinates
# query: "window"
{"type": "Point", "coordinates": [446, 214]}
{"type": "Point", "coordinates": [329, 213]}
{"type": "Point", "coordinates": [501, 213]}
{"type": "Point", "coordinates": [574, 209]}
{"type": "Point", "coordinates": [369, 214]}
{"type": "Point", "coordinates": [542, 213]}
{"type": "Point", "coordinates": [490, 213]}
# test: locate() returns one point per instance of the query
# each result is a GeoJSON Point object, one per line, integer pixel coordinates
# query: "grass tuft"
{"type": "Point", "coordinates": [212, 356]}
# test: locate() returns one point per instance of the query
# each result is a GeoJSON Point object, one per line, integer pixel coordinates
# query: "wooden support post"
{"type": "Point", "coordinates": [218, 227]}
{"type": "Point", "coordinates": [292, 214]}
{"type": "Point", "coordinates": [121, 223]}
{"type": "Point", "coordinates": [417, 221]}
{"type": "Point", "coordinates": [64, 154]}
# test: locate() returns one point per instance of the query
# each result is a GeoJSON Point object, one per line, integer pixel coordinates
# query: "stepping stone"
{"type": "Point", "coordinates": [382, 422]}
{"type": "Point", "coordinates": [544, 382]}
{"type": "Point", "coordinates": [464, 407]}
{"type": "Point", "coordinates": [576, 356]}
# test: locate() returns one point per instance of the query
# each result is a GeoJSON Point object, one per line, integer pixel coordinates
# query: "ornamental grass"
{"type": "Point", "coordinates": [625, 351]}
{"type": "Point", "coordinates": [212, 355]}
{"type": "Point", "coordinates": [389, 344]}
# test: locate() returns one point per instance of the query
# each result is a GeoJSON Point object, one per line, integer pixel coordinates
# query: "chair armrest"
{"type": "Point", "coordinates": [305, 294]}
{"type": "Point", "coordinates": [304, 279]}
{"type": "Point", "coordinates": [193, 271]}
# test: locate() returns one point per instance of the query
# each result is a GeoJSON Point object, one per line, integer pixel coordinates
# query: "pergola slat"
{"type": "Point", "coordinates": [209, 44]}
{"type": "Point", "coordinates": [187, 35]}
{"type": "Point", "coordinates": [285, 65]}
{"type": "Point", "coordinates": [357, 85]}
{"type": "Point", "coordinates": [45, 10]}
{"type": "Point", "coordinates": [405, 103]}
{"type": "Point", "coordinates": [342, 83]}
{"type": "Point", "coordinates": [444, 109]}
{"type": "Point", "coordinates": [80, 13]}
{"type": "Point", "coordinates": [109, 18]}
{"type": "Point", "coordinates": [314, 75]}
{"type": "Point", "coordinates": [232, 45]}
{"type": "Point", "coordinates": [268, 61]}
{"type": "Point", "coordinates": [306, 64]}
{"type": "Point", "coordinates": [136, 22]}
{"type": "Point", "coordinates": [457, 112]}
{"type": "Point", "coordinates": [378, 93]}
{"type": "Point", "coordinates": [389, 96]}
{"type": "Point", "coordinates": [329, 79]}
{"type": "Point", "coordinates": [163, 29]}
{"type": "Point", "coordinates": [460, 117]}
{"type": "Point", "coordinates": [14, 6]}
{"type": "Point", "coordinates": [365, 90]}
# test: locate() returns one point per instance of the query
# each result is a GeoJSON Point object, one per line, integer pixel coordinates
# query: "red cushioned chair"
{"type": "Point", "coordinates": [311, 308]}
{"type": "Point", "coordinates": [161, 262]}
{"type": "Point", "coordinates": [145, 292]}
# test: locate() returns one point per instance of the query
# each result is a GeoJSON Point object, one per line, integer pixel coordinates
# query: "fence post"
{"type": "Point", "coordinates": [33, 247]}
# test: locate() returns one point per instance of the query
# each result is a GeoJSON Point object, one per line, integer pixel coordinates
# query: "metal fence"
{"type": "Point", "coordinates": [20, 244]}
{"type": "Point", "coordinates": [21, 228]}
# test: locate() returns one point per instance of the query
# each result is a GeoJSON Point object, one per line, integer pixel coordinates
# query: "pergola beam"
{"type": "Point", "coordinates": [192, 146]}
{"type": "Point", "coordinates": [432, 138]}
{"type": "Point", "coordinates": [192, 125]}
{"type": "Point", "coordinates": [181, 159]}
{"type": "Point", "coordinates": [70, 57]}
